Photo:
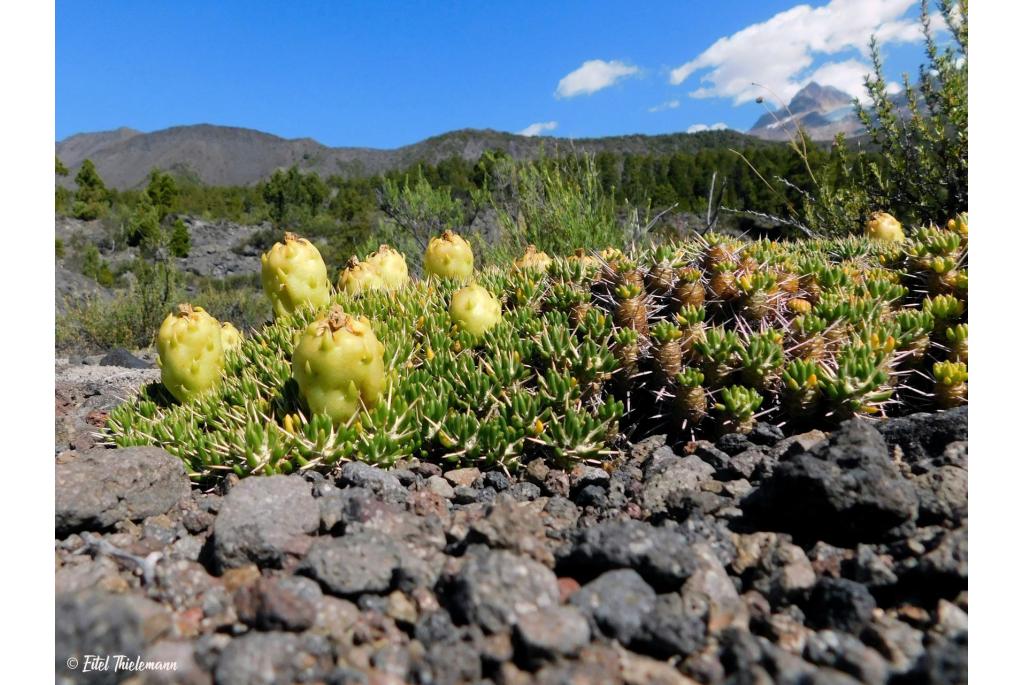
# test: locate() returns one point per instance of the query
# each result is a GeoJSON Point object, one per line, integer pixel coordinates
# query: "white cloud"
{"type": "Point", "coordinates": [780, 53]}
{"type": "Point", "coordinates": [671, 104]}
{"type": "Point", "coordinates": [697, 128]}
{"type": "Point", "coordinates": [592, 76]}
{"type": "Point", "coordinates": [538, 128]}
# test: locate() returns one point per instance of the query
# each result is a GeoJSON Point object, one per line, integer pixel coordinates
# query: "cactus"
{"type": "Point", "coordinates": [723, 280]}
{"type": "Point", "coordinates": [668, 355]}
{"type": "Point", "coordinates": [474, 309]}
{"type": "Point", "coordinates": [630, 310]}
{"type": "Point", "coordinates": [359, 277]}
{"type": "Point", "coordinates": [691, 401]}
{"type": "Point", "coordinates": [390, 266]}
{"type": "Point", "coordinates": [533, 260]}
{"type": "Point", "coordinates": [945, 310]}
{"type": "Point", "coordinates": [230, 337]}
{"type": "Point", "coordinates": [760, 360]}
{"type": "Point", "coordinates": [689, 292]}
{"type": "Point", "coordinates": [950, 383]}
{"type": "Point", "coordinates": [883, 227]}
{"type": "Point", "coordinates": [858, 384]}
{"type": "Point", "coordinates": [535, 384]}
{"type": "Point", "coordinates": [294, 275]}
{"type": "Point", "coordinates": [627, 353]}
{"type": "Point", "coordinates": [718, 351]}
{"type": "Point", "coordinates": [190, 352]}
{"type": "Point", "coordinates": [758, 290]}
{"type": "Point", "coordinates": [800, 392]}
{"type": "Point", "coordinates": [448, 256]}
{"type": "Point", "coordinates": [956, 336]}
{"type": "Point", "coordinates": [737, 406]}
{"type": "Point", "coordinates": [338, 365]}
{"type": "Point", "coordinates": [661, 276]}
{"type": "Point", "coordinates": [914, 328]}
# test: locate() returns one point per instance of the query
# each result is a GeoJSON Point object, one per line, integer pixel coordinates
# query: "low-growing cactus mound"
{"type": "Point", "coordinates": [703, 337]}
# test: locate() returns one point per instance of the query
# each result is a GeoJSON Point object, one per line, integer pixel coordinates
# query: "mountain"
{"type": "Point", "coordinates": [823, 111]}
{"type": "Point", "coordinates": [222, 155]}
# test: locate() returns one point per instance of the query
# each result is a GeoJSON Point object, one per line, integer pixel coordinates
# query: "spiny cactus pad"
{"type": "Point", "coordinates": [583, 353]}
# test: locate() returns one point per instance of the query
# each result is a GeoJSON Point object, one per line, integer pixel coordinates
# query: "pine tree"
{"type": "Point", "coordinates": [92, 199]}
{"type": "Point", "coordinates": [181, 242]}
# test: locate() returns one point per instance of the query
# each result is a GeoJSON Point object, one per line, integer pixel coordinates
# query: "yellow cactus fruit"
{"type": "Point", "coordinates": [448, 256]}
{"type": "Point", "coordinates": [294, 275]}
{"type": "Point", "coordinates": [391, 266]}
{"type": "Point", "coordinates": [884, 227]}
{"type": "Point", "coordinates": [190, 352]}
{"type": "Point", "coordinates": [338, 365]}
{"type": "Point", "coordinates": [474, 309]}
{"type": "Point", "coordinates": [533, 260]}
{"type": "Point", "coordinates": [230, 337]}
{"type": "Point", "coordinates": [359, 277]}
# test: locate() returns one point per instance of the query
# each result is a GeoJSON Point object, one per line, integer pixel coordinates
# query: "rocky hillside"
{"type": "Point", "coordinates": [823, 111]}
{"type": "Point", "coordinates": [221, 155]}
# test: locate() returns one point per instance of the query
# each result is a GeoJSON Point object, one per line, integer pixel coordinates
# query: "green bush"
{"type": "Point", "coordinates": [181, 242]}
{"type": "Point", "coordinates": [130, 319]}
{"type": "Point", "coordinates": [59, 248]}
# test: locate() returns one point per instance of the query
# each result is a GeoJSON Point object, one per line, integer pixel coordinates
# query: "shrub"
{"type": "Point", "coordinates": [181, 242]}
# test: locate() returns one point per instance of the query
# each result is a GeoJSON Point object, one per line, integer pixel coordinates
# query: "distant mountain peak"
{"type": "Point", "coordinates": [823, 111]}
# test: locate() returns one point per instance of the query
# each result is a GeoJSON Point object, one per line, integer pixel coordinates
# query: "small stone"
{"type": "Point", "coordinates": [616, 603]}
{"type": "Point", "coordinates": [765, 434]}
{"type": "Point", "coordinates": [847, 654]}
{"type": "Point", "coordinates": [497, 480]}
{"type": "Point", "coordinates": [670, 630]}
{"type": "Point", "coordinates": [494, 588]}
{"type": "Point", "coordinates": [537, 471]}
{"type": "Point", "coordinates": [462, 477]}
{"type": "Point", "coordinates": [551, 632]}
{"type": "Point", "coordinates": [524, 492]}
{"type": "Point", "coordinates": [265, 521]}
{"type": "Point", "coordinates": [840, 604]}
{"type": "Point", "coordinates": [269, 658]}
{"type": "Point", "coordinates": [278, 604]}
{"type": "Point", "coordinates": [440, 486]}
{"type": "Point", "coordinates": [353, 564]}
{"type": "Point", "coordinates": [382, 484]}
{"type": "Point", "coordinates": [661, 556]}
{"type": "Point", "coordinates": [733, 443]}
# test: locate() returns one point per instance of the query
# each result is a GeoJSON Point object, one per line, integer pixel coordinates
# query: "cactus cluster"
{"type": "Point", "coordinates": [562, 357]}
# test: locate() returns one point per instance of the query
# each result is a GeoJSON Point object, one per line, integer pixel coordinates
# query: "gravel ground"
{"type": "Point", "coordinates": [814, 558]}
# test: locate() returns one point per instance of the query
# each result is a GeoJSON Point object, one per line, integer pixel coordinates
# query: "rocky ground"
{"type": "Point", "coordinates": [219, 249]}
{"type": "Point", "coordinates": [814, 558]}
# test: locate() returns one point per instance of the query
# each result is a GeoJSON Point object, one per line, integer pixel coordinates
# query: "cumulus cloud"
{"type": "Point", "coordinates": [697, 128]}
{"type": "Point", "coordinates": [671, 104]}
{"type": "Point", "coordinates": [781, 53]}
{"type": "Point", "coordinates": [592, 76]}
{"type": "Point", "coordinates": [538, 128]}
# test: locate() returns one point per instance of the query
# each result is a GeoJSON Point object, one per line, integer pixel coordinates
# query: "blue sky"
{"type": "Point", "coordinates": [388, 74]}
